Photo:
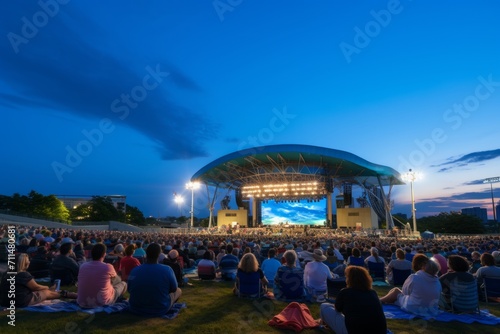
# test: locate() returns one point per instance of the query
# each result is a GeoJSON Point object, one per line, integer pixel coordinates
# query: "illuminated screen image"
{"type": "Point", "coordinates": [295, 213]}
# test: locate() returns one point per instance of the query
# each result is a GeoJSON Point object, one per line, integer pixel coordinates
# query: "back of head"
{"type": "Point", "coordinates": [118, 249]}
{"type": "Point", "coordinates": [272, 253]}
{"type": "Point", "coordinates": [290, 258]}
{"type": "Point", "coordinates": [235, 251]}
{"type": "Point", "coordinates": [248, 263]}
{"type": "Point", "coordinates": [400, 254]}
{"type": "Point", "coordinates": [356, 252]}
{"type": "Point", "coordinates": [358, 278]}
{"type": "Point", "coordinates": [208, 255]}
{"type": "Point", "coordinates": [418, 262]}
{"type": "Point", "coordinates": [432, 268]}
{"type": "Point", "coordinates": [129, 250]}
{"type": "Point", "coordinates": [65, 248]}
{"type": "Point", "coordinates": [458, 263]}
{"type": "Point", "coordinates": [98, 251]}
{"type": "Point", "coordinates": [153, 252]}
{"type": "Point", "coordinates": [229, 249]}
{"type": "Point", "coordinates": [487, 259]}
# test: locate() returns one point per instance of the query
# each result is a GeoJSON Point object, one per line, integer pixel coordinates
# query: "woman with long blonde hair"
{"type": "Point", "coordinates": [27, 290]}
{"type": "Point", "coordinates": [249, 275]}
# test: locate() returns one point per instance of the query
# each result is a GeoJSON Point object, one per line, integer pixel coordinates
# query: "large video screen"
{"type": "Point", "coordinates": [294, 213]}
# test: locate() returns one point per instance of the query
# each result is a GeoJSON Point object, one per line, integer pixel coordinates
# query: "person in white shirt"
{"type": "Point", "coordinates": [315, 275]}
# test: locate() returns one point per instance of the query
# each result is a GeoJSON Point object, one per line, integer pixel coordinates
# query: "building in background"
{"type": "Point", "coordinates": [477, 212]}
{"type": "Point", "coordinates": [73, 201]}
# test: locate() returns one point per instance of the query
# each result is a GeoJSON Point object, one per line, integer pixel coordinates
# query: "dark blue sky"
{"type": "Point", "coordinates": [129, 97]}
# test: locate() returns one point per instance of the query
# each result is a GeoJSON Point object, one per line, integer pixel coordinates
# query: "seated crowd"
{"type": "Point", "coordinates": [152, 266]}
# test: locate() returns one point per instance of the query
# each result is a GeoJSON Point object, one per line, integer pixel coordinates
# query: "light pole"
{"type": "Point", "coordinates": [192, 186]}
{"type": "Point", "coordinates": [412, 176]}
{"type": "Point", "coordinates": [492, 180]}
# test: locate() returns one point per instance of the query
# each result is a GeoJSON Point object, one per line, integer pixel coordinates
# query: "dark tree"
{"type": "Point", "coordinates": [451, 222]}
{"type": "Point", "coordinates": [135, 216]}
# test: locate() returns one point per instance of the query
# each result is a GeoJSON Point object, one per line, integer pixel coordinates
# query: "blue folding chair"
{"type": "Point", "coordinates": [491, 288]}
{"type": "Point", "coordinates": [377, 271]}
{"type": "Point", "coordinates": [399, 276]}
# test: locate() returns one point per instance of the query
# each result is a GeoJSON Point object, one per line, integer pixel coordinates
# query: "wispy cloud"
{"type": "Point", "coordinates": [470, 158]}
{"type": "Point", "coordinates": [474, 182]}
{"type": "Point", "coordinates": [60, 71]}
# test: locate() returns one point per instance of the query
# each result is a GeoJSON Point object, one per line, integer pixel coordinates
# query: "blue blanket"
{"type": "Point", "coordinates": [72, 306]}
{"type": "Point", "coordinates": [485, 317]}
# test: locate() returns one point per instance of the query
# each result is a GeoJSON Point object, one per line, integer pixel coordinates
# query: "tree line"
{"type": "Point", "coordinates": [97, 209]}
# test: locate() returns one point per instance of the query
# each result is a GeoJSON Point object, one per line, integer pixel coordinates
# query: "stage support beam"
{"type": "Point", "coordinates": [329, 209]}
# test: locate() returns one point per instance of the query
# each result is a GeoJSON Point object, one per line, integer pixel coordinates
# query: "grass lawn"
{"type": "Point", "coordinates": [211, 308]}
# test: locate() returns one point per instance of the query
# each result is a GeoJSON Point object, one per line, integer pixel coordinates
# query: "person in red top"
{"type": "Point", "coordinates": [128, 262]}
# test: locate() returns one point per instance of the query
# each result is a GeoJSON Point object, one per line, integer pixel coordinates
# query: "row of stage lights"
{"type": "Point", "coordinates": [282, 200]}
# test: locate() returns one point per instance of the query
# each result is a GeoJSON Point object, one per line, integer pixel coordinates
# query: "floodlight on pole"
{"type": "Point", "coordinates": [412, 177]}
{"type": "Point", "coordinates": [192, 185]}
{"type": "Point", "coordinates": [179, 200]}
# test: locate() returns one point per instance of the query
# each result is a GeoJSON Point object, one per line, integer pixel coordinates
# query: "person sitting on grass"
{"type": "Point", "coordinates": [128, 262]}
{"type": "Point", "coordinates": [356, 259]}
{"type": "Point", "coordinates": [289, 279]}
{"type": "Point", "coordinates": [27, 290]}
{"type": "Point", "coordinates": [421, 290]}
{"type": "Point", "coordinates": [488, 268]}
{"type": "Point", "coordinates": [153, 287]}
{"type": "Point", "coordinates": [401, 263]}
{"type": "Point", "coordinates": [458, 267]}
{"type": "Point", "coordinates": [248, 270]}
{"type": "Point", "coordinates": [64, 267]}
{"type": "Point", "coordinates": [315, 275]}
{"type": "Point", "coordinates": [357, 308]}
{"type": "Point", "coordinates": [228, 265]}
{"type": "Point", "coordinates": [270, 266]}
{"type": "Point", "coordinates": [206, 266]}
{"type": "Point", "coordinates": [172, 261]}
{"type": "Point", "coordinates": [98, 283]}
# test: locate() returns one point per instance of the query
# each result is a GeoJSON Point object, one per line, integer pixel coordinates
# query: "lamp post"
{"type": "Point", "coordinates": [412, 176]}
{"type": "Point", "coordinates": [492, 180]}
{"type": "Point", "coordinates": [192, 186]}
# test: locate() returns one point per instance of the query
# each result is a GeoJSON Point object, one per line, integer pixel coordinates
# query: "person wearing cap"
{"type": "Point", "coordinates": [172, 261]}
{"type": "Point", "coordinates": [153, 287]}
{"type": "Point", "coordinates": [64, 266]}
{"type": "Point", "coordinates": [315, 275]}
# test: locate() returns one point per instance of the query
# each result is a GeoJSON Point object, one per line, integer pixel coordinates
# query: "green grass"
{"type": "Point", "coordinates": [211, 308]}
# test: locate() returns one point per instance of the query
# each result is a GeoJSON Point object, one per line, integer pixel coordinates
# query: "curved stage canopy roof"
{"type": "Point", "coordinates": [277, 164]}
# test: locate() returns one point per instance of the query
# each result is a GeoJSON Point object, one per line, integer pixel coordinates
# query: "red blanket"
{"type": "Point", "coordinates": [295, 317]}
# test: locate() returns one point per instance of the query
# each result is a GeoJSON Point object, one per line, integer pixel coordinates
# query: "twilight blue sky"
{"type": "Point", "coordinates": [132, 97]}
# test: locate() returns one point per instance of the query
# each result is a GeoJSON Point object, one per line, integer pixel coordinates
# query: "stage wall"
{"type": "Point", "coordinates": [354, 217]}
{"type": "Point", "coordinates": [231, 217]}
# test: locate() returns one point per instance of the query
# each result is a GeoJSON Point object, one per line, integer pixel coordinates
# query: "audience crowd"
{"type": "Point", "coordinates": [151, 266]}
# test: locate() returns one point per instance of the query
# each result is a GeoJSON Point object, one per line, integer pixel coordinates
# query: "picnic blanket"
{"type": "Point", "coordinates": [485, 317]}
{"type": "Point", "coordinates": [56, 305]}
{"type": "Point", "coordinates": [294, 317]}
